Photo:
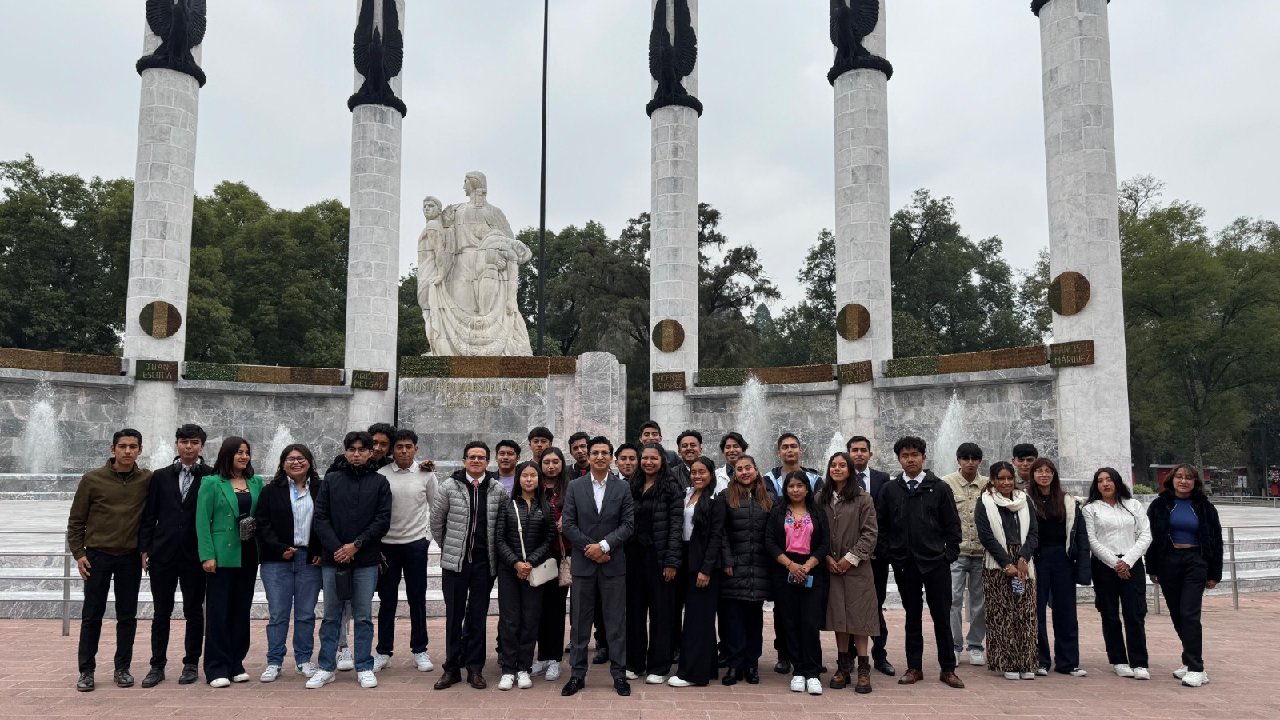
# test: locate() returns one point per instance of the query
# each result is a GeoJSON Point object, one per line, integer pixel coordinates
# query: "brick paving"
{"type": "Point", "coordinates": [37, 675]}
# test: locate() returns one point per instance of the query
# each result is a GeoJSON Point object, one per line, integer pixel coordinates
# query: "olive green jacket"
{"type": "Point", "coordinates": [217, 519]}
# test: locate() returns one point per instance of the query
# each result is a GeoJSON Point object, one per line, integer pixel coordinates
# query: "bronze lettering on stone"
{"type": "Point", "coordinates": [156, 370]}
{"type": "Point", "coordinates": [1071, 354]}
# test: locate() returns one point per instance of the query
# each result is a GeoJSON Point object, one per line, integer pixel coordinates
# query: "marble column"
{"type": "Point", "coordinates": [673, 250]}
{"type": "Point", "coordinates": [1084, 236]}
{"type": "Point", "coordinates": [373, 261]}
{"type": "Point", "coordinates": [160, 244]}
{"type": "Point", "coordinates": [863, 282]}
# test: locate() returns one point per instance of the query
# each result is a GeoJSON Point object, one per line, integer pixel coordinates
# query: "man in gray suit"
{"type": "Point", "coordinates": [598, 519]}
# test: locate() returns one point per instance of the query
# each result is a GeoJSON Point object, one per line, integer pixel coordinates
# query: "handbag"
{"type": "Point", "coordinates": [566, 572]}
{"type": "Point", "coordinates": [542, 573]}
{"type": "Point", "coordinates": [247, 526]}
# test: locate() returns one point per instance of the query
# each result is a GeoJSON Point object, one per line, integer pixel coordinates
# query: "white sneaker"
{"type": "Point", "coordinates": [1141, 673]}
{"type": "Point", "coordinates": [797, 683]}
{"type": "Point", "coordinates": [676, 681]}
{"type": "Point", "coordinates": [1012, 676]}
{"type": "Point", "coordinates": [506, 682]}
{"type": "Point", "coordinates": [367, 679]}
{"type": "Point", "coordinates": [1027, 676]}
{"type": "Point", "coordinates": [1081, 672]}
{"type": "Point", "coordinates": [977, 657]}
{"type": "Point", "coordinates": [1042, 672]}
{"type": "Point", "coordinates": [380, 661]}
{"type": "Point", "coordinates": [1195, 679]}
{"type": "Point", "coordinates": [553, 670]}
{"type": "Point", "coordinates": [1181, 672]}
{"type": "Point", "coordinates": [270, 673]}
{"type": "Point", "coordinates": [219, 683]}
{"type": "Point", "coordinates": [346, 661]}
{"type": "Point", "coordinates": [422, 661]}
{"type": "Point", "coordinates": [539, 667]}
{"type": "Point", "coordinates": [813, 686]}
{"type": "Point", "coordinates": [655, 679]}
{"type": "Point", "coordinates": [242, 677]}
{"type": "Point", "coordinates": [1123, 670]}
{"type": "Point", "coordinates": [633, 675]}
{"type": "Point", "coordinates": [523, 681]}
{"type": "Point", "coordinates": [320, 679]}
{"type": "Point", "coordinates": [307, 669]}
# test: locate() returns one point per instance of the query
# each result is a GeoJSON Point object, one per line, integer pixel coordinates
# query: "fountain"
{"type": "Point", "coordinates": [951, 432]}
{"type": "Point", "coordinates": [753, 420]}
{"type": "Point", "coordinates": [41, 445]}
{"type": "Point", "coordinates": [835, 446]}
{"type": "Point", "coordinates": [281, 440]}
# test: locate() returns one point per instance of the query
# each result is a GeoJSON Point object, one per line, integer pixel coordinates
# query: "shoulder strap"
{"type": "Point", "coordinates": [519, 529]}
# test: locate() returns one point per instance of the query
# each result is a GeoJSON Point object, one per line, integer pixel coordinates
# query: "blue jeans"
{"type": "Point", "coordinates": [291, 585]}
{"type": "Point", "coordinates": [363, 581]}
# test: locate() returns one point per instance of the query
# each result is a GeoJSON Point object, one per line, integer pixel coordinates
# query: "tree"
{"type": "Point", "coordinates": [806, 332]}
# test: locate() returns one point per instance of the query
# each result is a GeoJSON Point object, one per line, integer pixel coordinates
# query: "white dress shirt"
{"type": "Point", "coordinates": [1116, 532]}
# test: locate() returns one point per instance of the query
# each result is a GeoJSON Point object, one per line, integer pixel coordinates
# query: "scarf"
{"type": "Point", "coordinates": [992, 503]}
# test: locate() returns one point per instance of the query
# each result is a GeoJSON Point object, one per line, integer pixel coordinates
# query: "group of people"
{"type": "Point", "coordinates": [669, 556]}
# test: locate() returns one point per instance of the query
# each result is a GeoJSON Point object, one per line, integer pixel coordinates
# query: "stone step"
{"type": "Point", "coordinates": [43, 496]}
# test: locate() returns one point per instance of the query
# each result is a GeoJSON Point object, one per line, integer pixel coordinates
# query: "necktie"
{"type": "Point", "coordinates": [862, 478]}
{"type": "Point", "coordinates": [185, 479]}
{"type": "Point", "coordinates": [912, 485]}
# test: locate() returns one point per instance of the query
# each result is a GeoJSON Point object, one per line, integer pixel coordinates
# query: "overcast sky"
{"type": "Point", "coordinates": [965, 112]}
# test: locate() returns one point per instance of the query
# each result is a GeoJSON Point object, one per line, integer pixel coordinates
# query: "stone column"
{"type": "Point", "coordinates": [673, 249]}
{"type": "Point", "coordinates": [865, 314]}
{"type": "Point", "coordinates": [160, 244]}
{"type": "Point", "coordinates": [373, 262]}
{"type": "Point", "coordinates": [1084, 236]}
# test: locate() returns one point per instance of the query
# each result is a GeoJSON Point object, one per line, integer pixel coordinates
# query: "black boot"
{"type": "Point", "coordinates": [731, 677]}
{"type": "Point", "coordinates": [154, 677]}
{"type": "Point", "coordinates": [844, 667]}
{"type": "Point", "coordinates": [751, 675]}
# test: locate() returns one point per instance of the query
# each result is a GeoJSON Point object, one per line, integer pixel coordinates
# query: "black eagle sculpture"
{"type": "Point", "coordinates": [180, 25]}
{"type": "Point", "coordinates": [379, 56]}
{"type": "Point", "coordinates": [671, 60]}
{"type": "Point", "coordinates": [851, 22]}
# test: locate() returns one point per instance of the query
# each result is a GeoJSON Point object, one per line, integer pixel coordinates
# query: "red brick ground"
{"type": "Point", "coordinates": [37, 675]}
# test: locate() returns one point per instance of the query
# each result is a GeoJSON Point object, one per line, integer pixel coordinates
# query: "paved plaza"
{"type": "Point", "coordinates": [37, 675]}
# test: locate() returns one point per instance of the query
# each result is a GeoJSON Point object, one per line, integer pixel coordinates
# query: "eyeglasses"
{"type": "Point", "coordinates": [359, 450]}
{"type": "Point", "coordinates": [478, 457]}
{"type": "Point", "coordinates": [295, 460]}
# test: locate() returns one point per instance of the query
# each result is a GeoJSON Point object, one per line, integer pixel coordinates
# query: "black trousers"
{"type": "Point", "coordinates": [127, 571]}
{"type": "Point", "coordinates": [551, 622]}
{"type": "Point", "coordinates": [698, 641]}
{"type": "Point", "coordinates": [1182, 582]}
{"type": "Point", "coordinates": [228, 597]}
{"type": "Point", "coordinates": [742, 624]}
{"type": "Point", "coordinates": [1127, 644]}
{"type": "Point", "coordinates": [519, 608]}
{"type": "Point", "coordinates": [799, 612]}
{"type": "Point", "coordinates": [934, 585]}
{"type": "Point", "coordinates": [880, 569]}
{"type": "Point", "coordinates": [409, 560]}
{"type": "Point", "coordinates": [466, 609]}
{"type": "Point", "coordinates": [650, 606]}
{"type": "Point", "coordinates": [165, 582]}
{"type": "Point", "coordinates": [1056, 588]}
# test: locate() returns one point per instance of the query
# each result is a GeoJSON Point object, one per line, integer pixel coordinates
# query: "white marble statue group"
{"type": "Point", "coordinates": [468, 276]}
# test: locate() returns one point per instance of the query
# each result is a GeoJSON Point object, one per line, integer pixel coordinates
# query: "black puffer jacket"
{"type": "Point", "coordinates": [659, 519]}
{"type": "Point", "coordinates": [744, 551]}
{"type": "Point", "coordinates": [353, 505]}
{"type": "Point", "coordinates": [1210, 533]}
{"type": "Point", "coordinates": [539, 531]}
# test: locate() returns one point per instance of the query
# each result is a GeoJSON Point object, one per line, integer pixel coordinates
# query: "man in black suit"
{"type": "Point", "coordinates": [167, 539]}
{"type": "Point", "coordinates": [598, 519]}
{"type": "Point", "coordinates": [859, 448]}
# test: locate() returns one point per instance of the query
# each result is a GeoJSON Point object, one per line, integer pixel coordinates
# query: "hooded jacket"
{"type": "Point", "coordinates": [353, 505]}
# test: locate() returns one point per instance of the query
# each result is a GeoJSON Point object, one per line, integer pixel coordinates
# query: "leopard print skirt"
{"type": "Point", "coordinates": [1011, 623]}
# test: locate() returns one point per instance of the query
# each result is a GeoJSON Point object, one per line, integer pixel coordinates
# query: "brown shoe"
{"type": "Point", "coordinates": [476, 680]}
{"type": "Point", "coordinates": [448, 680]}
{"type": "Point", "coordinates": [863, 685]}
{"type": "Point", "coordinates": [840, 680]}
{"type": "Point", "coordinates": [911, 677]}
{"type": "Point", "coordinates": [950, 678]}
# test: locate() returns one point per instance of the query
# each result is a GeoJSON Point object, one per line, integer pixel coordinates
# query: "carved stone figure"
{"type": "Point", "coordinates": [180, 25]}
{"type": "Point", "coordinates": [379, 56]}
{"type": "Point", "coordinates": [468, 277]}
{"type": "Point", "coordinates": [671, 60]}
{"type": "Point", "coordinates": [851, 22]}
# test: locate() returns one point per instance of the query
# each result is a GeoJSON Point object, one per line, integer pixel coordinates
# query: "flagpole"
{"type": "Point", "coordinates": [542, 208]}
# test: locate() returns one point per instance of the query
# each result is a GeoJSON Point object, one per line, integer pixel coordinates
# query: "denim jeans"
{"type": "Point", "coordinates": [363, 580]}
{"type": "Point", "coordinates": [292, 585]}
{"type": "Point", "coordinates": [966, 580]}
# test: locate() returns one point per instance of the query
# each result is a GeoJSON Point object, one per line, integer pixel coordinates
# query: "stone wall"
{"type": "Point", "coordinates": [809, 410]}
{"type": "Point", "coordinates": [89, 408]}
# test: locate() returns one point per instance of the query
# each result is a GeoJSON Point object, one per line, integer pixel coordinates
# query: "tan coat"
{"type": "Point", "coordinates": [966, 495]}
{"type": "Point", "coordinates": [852, 606]}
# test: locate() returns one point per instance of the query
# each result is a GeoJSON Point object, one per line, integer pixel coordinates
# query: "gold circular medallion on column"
{"type": "Point", "coordinates": [160, 319]}
{"type": "Point", "coordinates": [668, 335]}
{"type": "Point", "coordinates": [853, 322]}
{"type": "Point", "coordinates": [1069, 293]}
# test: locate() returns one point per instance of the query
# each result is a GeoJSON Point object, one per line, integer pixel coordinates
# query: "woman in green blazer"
{"type": "Point", "coordinates": [224, 514]}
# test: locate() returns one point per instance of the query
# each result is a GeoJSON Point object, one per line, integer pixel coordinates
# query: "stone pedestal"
{"type": "Point", "coordinates": [160, 240]}
{"type": "Point", "coordinates": [673, 253]}
{"type": "Point", "coordinates": [373, 261]}
{"type": "Point", "coordinates": [862, 233]}
{"type": "Point", "coordinates": [1084, 238]}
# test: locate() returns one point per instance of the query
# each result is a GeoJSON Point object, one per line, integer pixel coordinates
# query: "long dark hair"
{"type": "Point", "coordinates": [560, 483]}
{"type": "Point", "coordinates": [660, 481]}
{"type": "Point", "coordinates": [736, 493]}
{"type": "Point", "coordinates": [282, 479]}
{"type": "Point", "coordinates": [851, 487]}
{"type": "Point", "coordinates": [996, 467]}
{"type": "Point", "coordinates": [784, 502]}
{"type": "Point", "coordinates": [224, 465]}
{"type": "Point", "coordinates": [1053, 506]}
{"type": "Point", "coordinates": [1122, 490]}
{"type": "Point", "coordinates": [539, 495]}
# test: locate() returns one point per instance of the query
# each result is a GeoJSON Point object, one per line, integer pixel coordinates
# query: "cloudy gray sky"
{"type": "Point", "coordinates": [964, 107]}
